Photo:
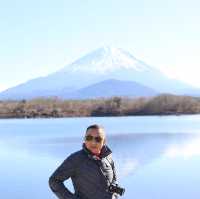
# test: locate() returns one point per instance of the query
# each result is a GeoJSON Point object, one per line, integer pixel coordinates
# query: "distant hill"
{"type": "Point", "coordinates": [110, 88]}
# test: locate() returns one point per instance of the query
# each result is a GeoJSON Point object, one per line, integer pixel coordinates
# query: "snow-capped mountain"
{"type": "Point", "coordinates": [105, 60]}
{"type": "Point", "coordinates": [99, 65]}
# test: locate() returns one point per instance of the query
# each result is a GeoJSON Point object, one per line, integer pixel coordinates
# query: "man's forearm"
{"type": "Point", "coordinates": [60, 190]}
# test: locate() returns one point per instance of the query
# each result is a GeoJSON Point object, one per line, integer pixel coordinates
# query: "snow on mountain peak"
{"type": "Point", "coordinates": [106, 59]}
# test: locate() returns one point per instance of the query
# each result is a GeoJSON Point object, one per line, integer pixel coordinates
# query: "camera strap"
{"type": "Point", "coordinates": [110, 161]}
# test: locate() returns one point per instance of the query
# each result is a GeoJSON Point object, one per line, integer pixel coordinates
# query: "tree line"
{"type": "Point", "coordinates": [165, 104]}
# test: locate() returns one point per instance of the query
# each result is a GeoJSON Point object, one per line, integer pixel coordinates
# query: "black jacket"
{"type": "Point", "coordinates": [90, 176]}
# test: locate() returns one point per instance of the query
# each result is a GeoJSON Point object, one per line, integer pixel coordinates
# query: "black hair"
{"type": "Point", "coordinates": [94, 126]}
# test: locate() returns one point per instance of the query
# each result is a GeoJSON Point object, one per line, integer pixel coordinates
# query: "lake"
{"type": "Point", "coordinates": [156, 157]}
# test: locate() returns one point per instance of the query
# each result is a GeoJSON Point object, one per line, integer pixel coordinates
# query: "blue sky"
{"type": "Point", "coordinates": [41, 36]}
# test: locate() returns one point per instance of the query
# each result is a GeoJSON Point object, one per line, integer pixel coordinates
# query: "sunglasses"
{"type": "Point", "coordinates": [90, 138]}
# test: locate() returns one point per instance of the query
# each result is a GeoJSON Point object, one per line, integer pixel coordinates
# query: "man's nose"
{"type": "Point", "coordinates": [93, 141]}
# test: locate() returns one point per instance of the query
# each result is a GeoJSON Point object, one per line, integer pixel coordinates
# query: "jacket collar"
{"type": "Point", "coordinates": [105, 151]}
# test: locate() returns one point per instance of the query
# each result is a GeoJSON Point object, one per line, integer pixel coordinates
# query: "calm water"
{"type": "Point", "coordinates": [156, 157]}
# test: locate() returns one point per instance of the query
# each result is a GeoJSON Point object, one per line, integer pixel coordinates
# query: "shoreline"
{"type": "Point", "coordinates": [153, 115]}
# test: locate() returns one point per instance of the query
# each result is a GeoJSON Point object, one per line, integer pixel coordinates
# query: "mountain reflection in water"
{"type": "Point", "coordinates": [135, 155]}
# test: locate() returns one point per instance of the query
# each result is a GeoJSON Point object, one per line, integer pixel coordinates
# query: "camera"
{"type": "Point", "coordinates": [115, 188]}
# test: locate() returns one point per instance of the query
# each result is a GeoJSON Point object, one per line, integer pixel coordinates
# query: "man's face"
{"type": "Point", "coordinates": [96, 140]}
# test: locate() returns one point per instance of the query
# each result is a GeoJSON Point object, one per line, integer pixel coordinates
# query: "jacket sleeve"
{"type": "Point", "coordinates": [56, 181]}
{"type": "Point", "coordinates": [114, 173]}
{"type": "Point", "coordinates": [110, 159]}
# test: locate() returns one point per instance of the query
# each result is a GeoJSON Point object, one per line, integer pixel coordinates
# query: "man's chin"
{"type": "Point", "coordinates": [94, 151]}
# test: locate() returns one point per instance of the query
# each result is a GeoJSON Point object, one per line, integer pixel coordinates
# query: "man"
{"type": "Point", "coordinates": [91, 169]}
